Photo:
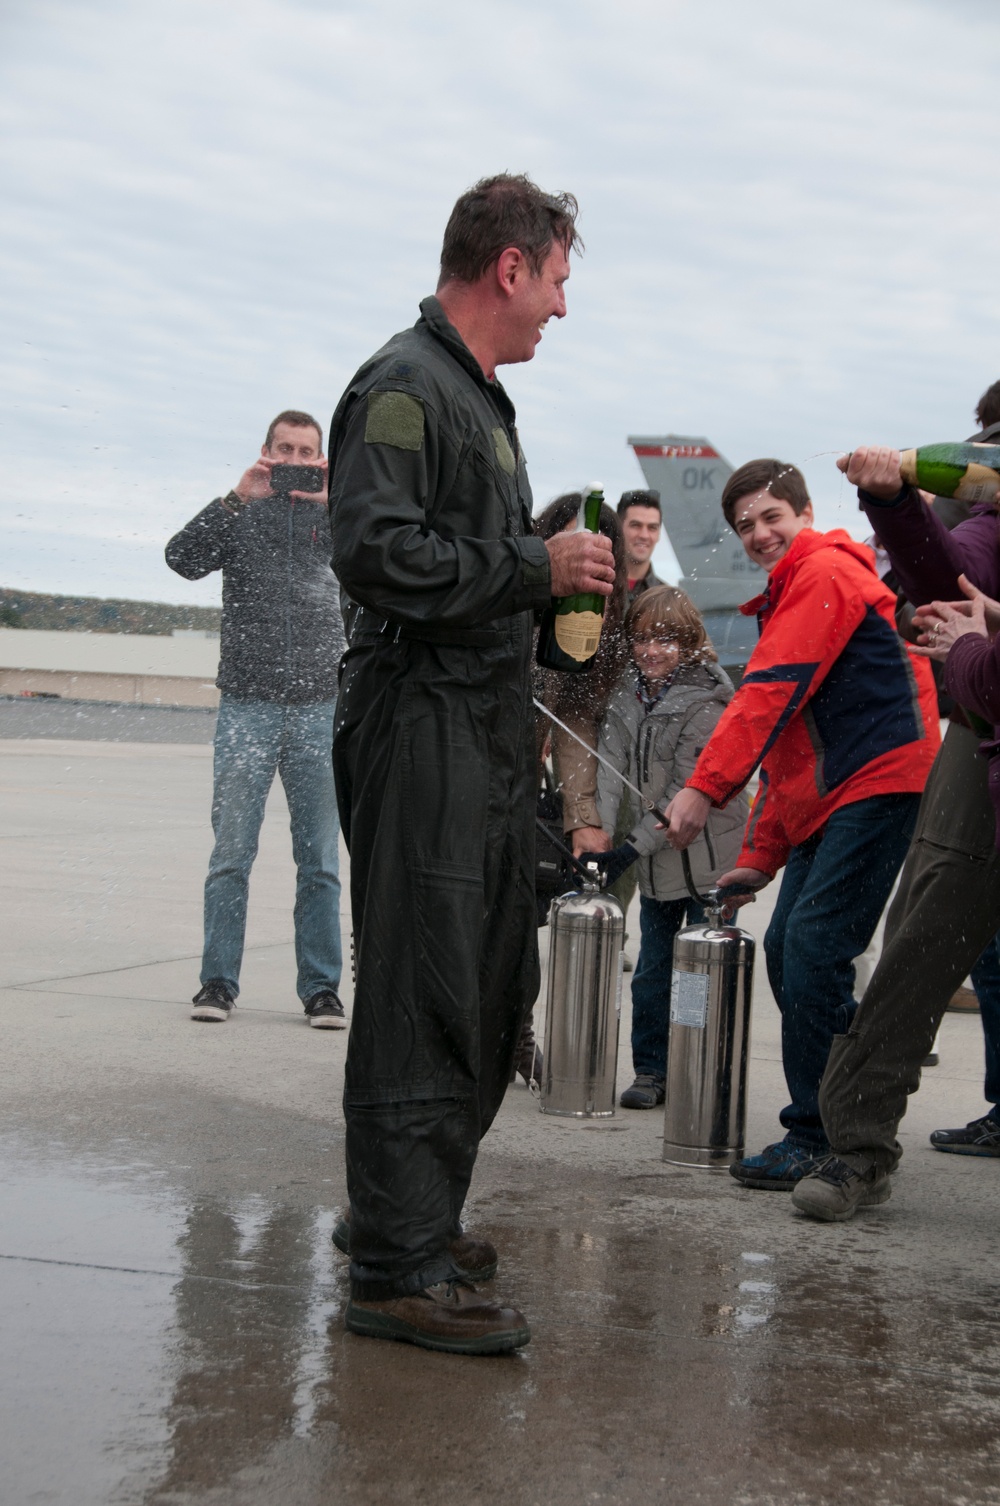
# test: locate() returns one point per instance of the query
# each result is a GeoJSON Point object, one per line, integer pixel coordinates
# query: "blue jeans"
{"type": "Point", "coordinates": [659, 922]}
{"type": "Point", "coordinates": [835, 887]}
{"type": "Point", "coordinates": [253, 741]}
{"type": "Point", "coordinates": [986, 981]}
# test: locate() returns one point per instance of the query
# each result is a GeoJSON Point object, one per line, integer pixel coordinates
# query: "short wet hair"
{"type": "Point", "coordinates": [782, 480]}
{"type": "Point", "coordinates": [670, 611]}
{"type": "Point", "coordinates": [650, 498]}
{"type": "Point", "coordinates": [298, 420]}
{"type": "Point", "coordinates": [502, 211]}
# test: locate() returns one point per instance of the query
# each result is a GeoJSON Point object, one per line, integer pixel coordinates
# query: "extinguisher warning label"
{"type": "Point", "coordinates": [689, 999]}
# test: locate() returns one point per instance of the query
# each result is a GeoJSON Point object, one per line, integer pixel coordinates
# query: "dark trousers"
{"type": "Point", "coordinates": [834, 890]}
{"type": "Point", "coordinates": [946, 911]}
{"type": "Point", "coordinates": [986, 981]}
{"type": "Point", "coordinates": [659, 922]}
{"type": "Point", "coordinates": [435, 777]}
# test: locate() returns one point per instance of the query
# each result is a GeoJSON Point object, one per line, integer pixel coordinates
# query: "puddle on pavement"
{"type": "Point", "coordinates": [189, 1348]}
{"type": "Point", "coordinates": [171, 1338]}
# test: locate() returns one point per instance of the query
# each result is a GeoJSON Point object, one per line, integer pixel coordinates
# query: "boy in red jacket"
{"type": "Point", "coordinates": [843, 721]}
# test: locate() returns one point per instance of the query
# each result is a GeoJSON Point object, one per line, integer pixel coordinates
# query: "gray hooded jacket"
{"type": "Point", "coordinates": [657, 749]}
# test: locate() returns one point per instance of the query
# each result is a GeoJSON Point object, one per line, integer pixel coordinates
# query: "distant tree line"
{"type": "Point", "coordinates": [89, 614]}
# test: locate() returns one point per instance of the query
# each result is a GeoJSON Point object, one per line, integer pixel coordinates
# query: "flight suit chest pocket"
{"type": "Point", "coordinates": [494, 486]}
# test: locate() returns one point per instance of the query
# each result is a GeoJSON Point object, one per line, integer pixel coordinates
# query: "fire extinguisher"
{"type": "Point", "coordinates": [708, 1037]}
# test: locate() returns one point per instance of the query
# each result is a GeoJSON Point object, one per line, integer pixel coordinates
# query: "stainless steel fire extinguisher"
{"type": "Point", "coordinates": [586, 938]}
{"type": "Point", "coordinates": [708, 1039]}
{"type": "Point", "coordinates": [709, 1026]}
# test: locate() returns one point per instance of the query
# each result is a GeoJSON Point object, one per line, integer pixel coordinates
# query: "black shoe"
{"type": "Point", "coordinates": [980, 1138]}
{"type": "Point", "coordinates": [325, 1011]}
{"type": "Point", "coordinates": [645, 1093]}
{"type": "Point", "coordinates": [475, 1259]}
{"type": "Point", "coordinates": [213, 1003]}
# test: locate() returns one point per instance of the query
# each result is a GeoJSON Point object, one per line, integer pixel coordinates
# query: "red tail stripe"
{"type": "Point", "coordinates": [678, 451]}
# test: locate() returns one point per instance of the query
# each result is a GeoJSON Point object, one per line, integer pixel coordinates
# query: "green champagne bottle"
{"type": "Point", "coordinates": [968, 472]}
{"type": "Point", "coordinates": [571, 626]}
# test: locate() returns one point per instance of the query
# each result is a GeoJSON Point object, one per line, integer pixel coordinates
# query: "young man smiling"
{"type": "Point", "coordinates": [842, 719]}
{"type": "Point", "coordinates": [641, 520]}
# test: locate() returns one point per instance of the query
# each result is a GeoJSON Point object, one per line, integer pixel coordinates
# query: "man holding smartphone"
{"type": "Point", "coordinates": [282, 640]}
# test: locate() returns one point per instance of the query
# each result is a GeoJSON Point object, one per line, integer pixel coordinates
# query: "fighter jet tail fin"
{"type": "Point", "coordinates": [689, 473]}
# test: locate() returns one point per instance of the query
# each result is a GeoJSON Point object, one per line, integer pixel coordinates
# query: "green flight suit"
{"type": "Point", "coordinates": [434, 763]}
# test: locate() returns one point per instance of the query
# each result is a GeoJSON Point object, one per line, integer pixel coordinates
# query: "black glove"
{"type": "Point", "coordinates": [614, 863]}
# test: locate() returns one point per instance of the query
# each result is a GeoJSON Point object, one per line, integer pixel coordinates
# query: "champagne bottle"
{"type": "Point", "coordinates": [571, 626]}
{"type": "Point", "coordinates": [968, 472]}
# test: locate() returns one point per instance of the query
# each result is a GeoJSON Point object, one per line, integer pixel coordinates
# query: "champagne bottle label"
{"type": "Point", "coordinates": [979, 484]}
{"type": "Point", "coordinates": [578, 634]}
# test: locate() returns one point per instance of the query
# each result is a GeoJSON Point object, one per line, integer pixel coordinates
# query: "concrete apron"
{"type": "Point", "coordinates": [172, 1303]}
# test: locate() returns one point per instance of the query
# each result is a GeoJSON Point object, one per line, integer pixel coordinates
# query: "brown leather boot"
{"type": "Point", "coordinates": [450, 1315]}
{"type": "Point", "coordinates": [476, 1259]}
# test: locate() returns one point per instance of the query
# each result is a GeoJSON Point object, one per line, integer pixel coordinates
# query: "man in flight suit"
{"type": "Point", "coordinates": [434, 756]}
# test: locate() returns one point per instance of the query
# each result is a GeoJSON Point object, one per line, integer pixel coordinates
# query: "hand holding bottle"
{"type": "Point", "coordinates": [873, 469]}
{"type": "Point", "coordinates": [581, 561]}
{"type": "Point", "coordinates": [969, 471]}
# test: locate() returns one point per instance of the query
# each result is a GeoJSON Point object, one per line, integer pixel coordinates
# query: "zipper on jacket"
{"type": "Point", "coordinates": [647, 739]}
{"type": "Point", "coordinates": [288, 594]}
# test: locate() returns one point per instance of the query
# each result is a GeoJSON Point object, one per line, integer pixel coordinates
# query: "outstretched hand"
{"type": "Point", "coordinates": [874, 469]}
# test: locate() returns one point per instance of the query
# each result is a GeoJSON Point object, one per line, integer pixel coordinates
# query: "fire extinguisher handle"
{"type": "Point", "coordinates": [709, 901]}
{"type": "Point", "coordinates": [575, 864]}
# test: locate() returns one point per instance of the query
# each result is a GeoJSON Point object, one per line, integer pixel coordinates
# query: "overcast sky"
{"type": "Point", "coordinates": [215, 211]}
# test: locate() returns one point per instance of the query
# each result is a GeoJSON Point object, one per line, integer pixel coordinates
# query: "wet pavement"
{"type": "Point", "coordinates": [171, 1301]}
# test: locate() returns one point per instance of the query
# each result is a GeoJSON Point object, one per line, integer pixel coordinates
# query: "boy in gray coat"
{"type": "Point", "coordinates": [658, 721]}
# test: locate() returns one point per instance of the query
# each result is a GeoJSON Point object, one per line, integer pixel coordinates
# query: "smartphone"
{"type": "Point", "coordinates": [297, 478]}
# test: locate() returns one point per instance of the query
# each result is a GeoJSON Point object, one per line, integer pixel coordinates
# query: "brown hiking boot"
{"type": "Point", "coordinates": [835, 1190]}
{"type": "Point", "coordinates": [476, 1259]}
{"type": "Point", "coordinates": [450, 1315]}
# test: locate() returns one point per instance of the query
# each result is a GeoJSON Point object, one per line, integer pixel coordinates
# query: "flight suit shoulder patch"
{"type": "Point", "coordinates": [402, 371]}
{"type": "Point", "coordinates": [395, 418]}
{"type": "Point", "coordinates": [503, 451]}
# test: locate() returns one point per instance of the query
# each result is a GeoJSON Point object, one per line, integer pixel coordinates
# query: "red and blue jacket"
{"type": "Point", "coordinates": [833, 706]}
